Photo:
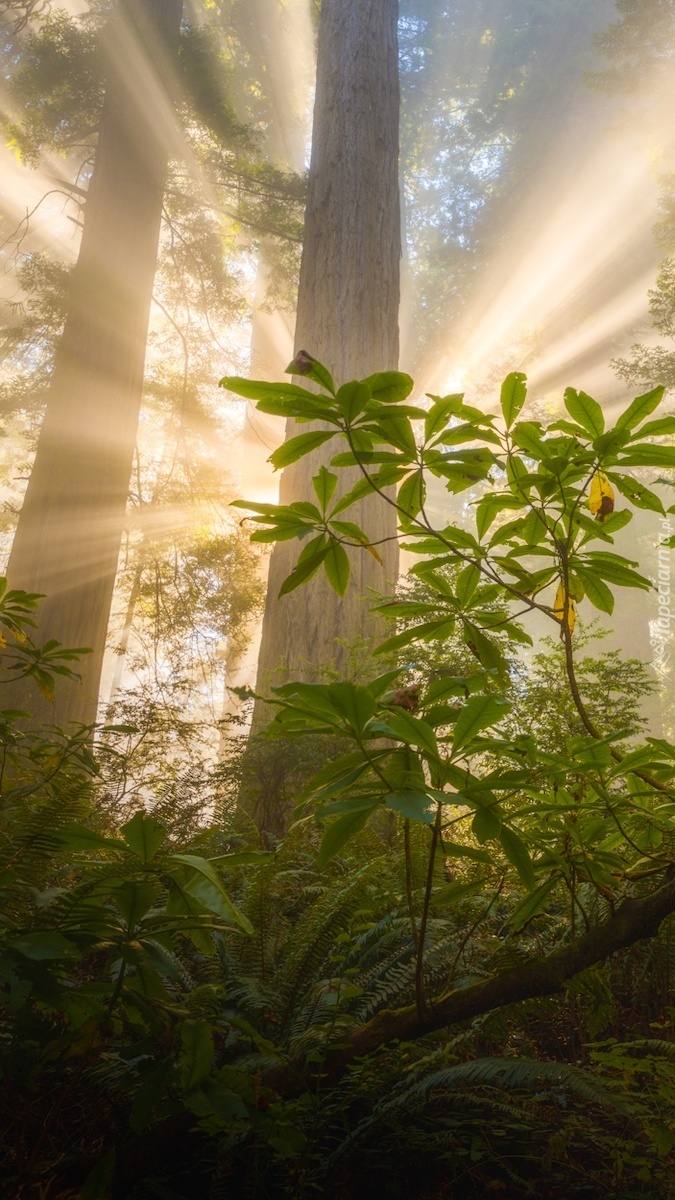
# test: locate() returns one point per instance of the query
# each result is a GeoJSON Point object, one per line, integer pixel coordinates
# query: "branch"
{"type": "Point", "coordinates": [634, 919]}
{"type": "Point", "coordinates": [23, 11]}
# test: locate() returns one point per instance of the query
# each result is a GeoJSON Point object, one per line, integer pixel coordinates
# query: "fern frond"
{"type": "Point", "coordinates": [313, 939]}
{"type": "Point", "coordinates": [510, 1073]}
{"type": "Point", "coordinates": [493, 1073]}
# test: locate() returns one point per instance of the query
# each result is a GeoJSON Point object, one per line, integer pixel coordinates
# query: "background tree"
{"type": "Point", "coordinates": [67, 540]}
{"type": "Point", "coordinates": [64, 59]}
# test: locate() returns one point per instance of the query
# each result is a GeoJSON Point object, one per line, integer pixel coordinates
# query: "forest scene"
{"type": "Point", "coordinates": [337, 692]}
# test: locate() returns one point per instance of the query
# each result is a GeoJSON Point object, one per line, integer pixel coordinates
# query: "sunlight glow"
{"type": "Point", "coordinates": [566, 287]}
{"type": "Point", "coordinates": [586, 253]}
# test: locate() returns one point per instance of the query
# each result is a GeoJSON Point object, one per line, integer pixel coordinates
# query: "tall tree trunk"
{"type": "Point", "coordinates": [347, 310]}
{"type": "Point", "coordinates": [68, 537]}
{"type": "Point", "coordinates": [347, 318]}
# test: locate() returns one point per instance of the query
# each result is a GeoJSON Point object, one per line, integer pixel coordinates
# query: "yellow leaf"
{"type": "Point", "coordinates": [601, 497]}
{"type": "Point", "coordinates": [47, 689]}
{"type": "Point", "coordinates": [561, 609]}
{"type": "Point", "coordinates": [373, 551]}
{"type": "Point", "coordinates": [3, 642]}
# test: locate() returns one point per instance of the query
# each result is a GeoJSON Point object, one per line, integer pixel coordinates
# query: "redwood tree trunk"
{"type": "Point", "coordinates": [68, 537]}
{"type": "Point", "coordinates": [347, 314]}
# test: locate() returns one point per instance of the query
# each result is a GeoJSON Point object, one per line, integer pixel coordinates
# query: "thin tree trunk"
{"type": "Point", "coordinates": [347, 312]}
{"type": "Point", "coordinates": [68, 537]}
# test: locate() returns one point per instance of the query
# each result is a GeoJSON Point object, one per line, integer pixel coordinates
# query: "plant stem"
{"type": "Point", "coordinates": [409, 881]}
{"type": "Point", "coordinates": [572, 680]}
{"type": "Point", "coordinates": [420, 991]}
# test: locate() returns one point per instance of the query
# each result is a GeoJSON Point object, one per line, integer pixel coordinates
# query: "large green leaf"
{"type": "Point", "coordinates": [307, 565]}
{"type": "Point", "coordinates": [401, 410]}
{"type": "Point", "coordinates": [467, 582]}
{"type": "Point", "coordinates": [339, 833]}
{"type": "Point", "coordinates": [467, 432]}
{"type": "Point", "coordinates": [412, 494]}
{"type": "Point", "coordinates": [336, 563]}
{"type": "Point", "coordinates": [330, 777]}
{"type": "Point", "coordinates": [636, 492]}
{"type": "Point", "coordinates": [364, 455]}
{"type": "Point", "coordinates": [492, 504]}
{"type": "Point", "coordinates": [134, 898]}
{"type": "Point", "coordinates": [646, 454]}
{"type": "Point", "coordinates": [527, 435]}
{"type": "Point", "coordinates": [531, 904]}
{"type": "Point", "coordinates": [486, 826]}
{"type": "Point", "coordinates": [284, 400]}
{"type": "Point", "coordinates": [586, 411]}
{"type": "Point", "coordinates": [352, 398]}
{"type": "Point", "coordinates": [74, 836]}
{"type": "Point", "coordinates": [412, 730]}
{"type": "Point", "coordinates": [144, 836]}
{"type": "Point", "coordinates": [364, 487]}
{"type": "Point", "coordinates": [517, 853]}
{"type": "Point", "coordinates": [439, 629]}
{"type": "Point", "coordinates": [353, 701]}
{"type": "Point", "coordinates": [438, 415]}
{"type": "Point", "coordinates": [389, 387]}
{"type": "Point", "coordinates": [41, 946]}
{"type": "Point", "coordinates": [399, 433]}
{"type": "Point", "coordinates": [658, 428]}
{"type": "Point", "coordinates": [197, 1053]}
{"type": "Point", "coordinates": [382, 683]}
{"type": "Point", "coordinates": [195, 920]}
{"type": "Point", "coordinates": [297, 447]}
{"type": "Point", "coordinates": [257, 389]}
{"type": "Point", "coordinates": [640, 408]}
{"type": "Point", "coordinates": [457, 850]}
{"type": "Point", "coordinates": [201, 880]}
{"type": "Point", "coordinates": [353, 803]}
{"type": "Point", "coordinates": [415, 806]}
{"type": "Point", "coordinates": [598, 593]}
{"type": "Point", "coordinates": [513, 396]}
{"type": "Point", "coordinates": [608, 444]}
{"type": "Point", "coordinates": [324, 485]}
{"type": "Point", "coordinates": [452, 685]}
{"type": "Point", "coordinates": [485, 649]}
{"type": "Point", "coordinates": [616, 570]}
{"type": "Point", "coordinates": [452, 892]}
{"type": "Point", "coordinates": [479, 712]}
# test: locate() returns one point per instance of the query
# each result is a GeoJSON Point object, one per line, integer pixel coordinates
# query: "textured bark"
{"type": "Point", "coordinates": [347, 312]}
{"type": "Point", "coordinates": [634, 919]}
{"type": "Point", "coordinates": [68, 537]}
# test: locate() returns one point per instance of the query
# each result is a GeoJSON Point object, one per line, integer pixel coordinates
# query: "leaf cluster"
{"type": "Point", "coordinates": [441, 753]}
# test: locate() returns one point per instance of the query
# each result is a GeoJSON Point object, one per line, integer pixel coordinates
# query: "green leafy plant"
{"type": "Point", "coordinates": [552, 821]}
{"type": "Point", "coordinates": [103, 937]}
{"type": "Point", "coordinates": [421, 963]}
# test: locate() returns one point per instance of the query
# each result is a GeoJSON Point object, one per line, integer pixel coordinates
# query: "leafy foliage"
{"type": "Point", "coordinates": [423, 760]}
{"type": "Point", "coordinates": [481, 823]}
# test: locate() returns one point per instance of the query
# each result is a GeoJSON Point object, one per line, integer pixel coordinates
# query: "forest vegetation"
{"type": "Point", "coordinates": [337, 725]}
